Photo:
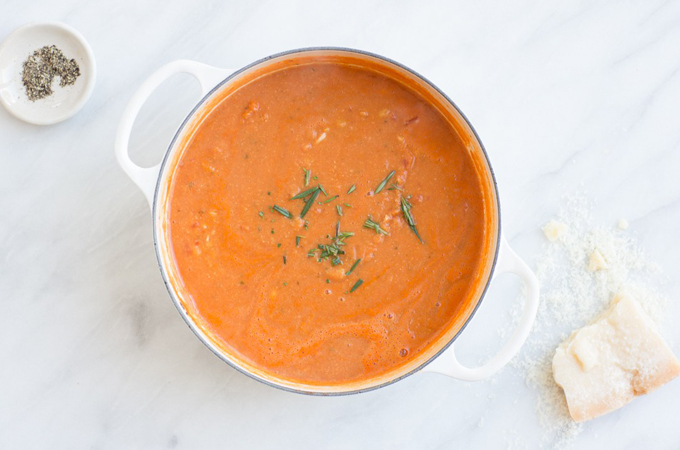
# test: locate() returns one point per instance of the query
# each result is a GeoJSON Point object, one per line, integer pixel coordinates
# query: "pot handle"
{"type": "Point", "coordinates": [146, 178]}
{"type": "Point", "coordinates": [447, 363]}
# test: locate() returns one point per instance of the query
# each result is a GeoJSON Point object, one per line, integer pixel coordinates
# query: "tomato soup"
{"type": "Point", "coordinates": [328, 224]}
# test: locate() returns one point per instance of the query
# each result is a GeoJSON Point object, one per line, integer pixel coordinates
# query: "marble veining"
{"type": "Point", "coordinates": [567, 97]}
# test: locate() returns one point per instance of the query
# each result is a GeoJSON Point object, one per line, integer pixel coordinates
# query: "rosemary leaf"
{"type": "Point", "coordinates": [304, 193]}
{"type": "Point", "coordinates": [330, 199]}
{"type": "Point", "coordinates": [406, 209]}
{"type": "Point", "coordinates": [308, 173]}
{"type": "Point", "coordinates": [356, 263]}
{"type": "Point", "coordinates": [310, 202]}
{"type": "Point", "coordinates": [339, 209]}
{"type": "Point", "coordinates": [352, 188]}
{"type": "Point", "coordinates": [284, 212]}
{"type": "Point", "coordinates": [382, 184]}
{"type": "Point", "coordinates": [356, 285]}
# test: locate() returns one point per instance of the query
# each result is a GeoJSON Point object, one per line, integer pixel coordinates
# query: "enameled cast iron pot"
{"type": "Point", "coordinates": [155, 181]}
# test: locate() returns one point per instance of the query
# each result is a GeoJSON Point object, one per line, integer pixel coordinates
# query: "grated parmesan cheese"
{"type": "Point", "coordinates": [597, 261]}
{"type": "Point", "coordinates": [580, 270]}
{"type": "Point", "coordinates": [553, 230]}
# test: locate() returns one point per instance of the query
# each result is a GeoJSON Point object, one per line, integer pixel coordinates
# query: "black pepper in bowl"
{"type": "Point", "coordinates": [42, 66]}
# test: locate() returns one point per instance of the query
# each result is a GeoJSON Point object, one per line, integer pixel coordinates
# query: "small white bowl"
{"type": "Point", "coordinates": [65, 101]}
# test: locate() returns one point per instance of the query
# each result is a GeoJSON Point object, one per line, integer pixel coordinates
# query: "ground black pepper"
{"type": "Point", "coordinates": [42, 67]}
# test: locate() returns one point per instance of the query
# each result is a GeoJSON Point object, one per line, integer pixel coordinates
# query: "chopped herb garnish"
{"type": "Point", "coordinates": [356, 263]}
{"type": "Point", "coordinates": [330, 199]}
{"type": "Point", "coordinates": [352, 188]}
{"type": "Point", "coordinates": [304, 193]}
{"type": "Point", "coordinates": [327, 280]}
{"type": "Point", "coordinates": [356, 285]}
{"type": "Point", "coordinates": [272, 231]}
{"type": "Point", "coordinates": [284, 259]}
{"type": "Point", "coordinates": [278, 245]}
{"type": "Point", "coordinates": [310, 202]}
{"type": "Point", "coordinates": [382, 184]}
{"type": "Point", "coordinates": [307, 175]}
{"type": "Point", "coordinates": [335, 248]}
{"type": "Point", "coordinates": [284, 212]}
{"type": "Point", "coordinates": [394, 187]}
{"type": "Point", "coordinates": [261, 214]}
{"type": "Point", "coordinates": [311, 253]}
{"type": "Point", "coordinates": [316, 178]}
{"type": "Point", "coordinates": [347, 205]}
{"type": "Point", "coordinates": [406, 209]}
{"type": "Point", "coordinates": [323, 190]}
{"type": "Point", "coordinates": [338, 208]}
{"type": "Point", "coordinates": [297, 240]}
{"type": "Point", "coordinates": [370, 224]}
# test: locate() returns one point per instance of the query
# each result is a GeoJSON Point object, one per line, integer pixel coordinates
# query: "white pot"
{"type": "Point", "coordinates": [154, 182]}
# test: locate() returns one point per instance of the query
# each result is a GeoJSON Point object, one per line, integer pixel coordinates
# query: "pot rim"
{"type": "Point", "coordinates": [171, 290]}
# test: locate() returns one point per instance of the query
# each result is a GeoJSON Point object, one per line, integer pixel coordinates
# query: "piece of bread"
{"type": "Point", "coordinates": [606, 364]}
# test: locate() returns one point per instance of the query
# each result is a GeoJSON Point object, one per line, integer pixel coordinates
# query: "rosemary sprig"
{"type": "Point", "coordinates": [406, 209]}
{"type": "Point", "coordinates": [382, 184]}
{"type": "Point", "coordinates": [310, 202]}
{"type": "Point", "coordinates": [356, 285]}
{"type": "Point", "coordinates": [352, 188]}
{"type": "Point", "coordinates": [308, 173]}
{"type": "Point", "coordinates": [370, 224]}
{"type": "Point", "coordinates": [330, 199]}
{"type": "Point", "coordinates": [284, 212]}
{"type": "Point", "coordinates": [354, 266]}
{"type": "Point", "coordinates": [304, 193]}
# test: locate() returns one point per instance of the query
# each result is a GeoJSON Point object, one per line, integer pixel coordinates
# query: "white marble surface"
{"type": "Point", "coordinates": [566, 96]}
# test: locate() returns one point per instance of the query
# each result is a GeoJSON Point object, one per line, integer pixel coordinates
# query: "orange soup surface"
{"type": "Point", "coordinates": [365, 281]}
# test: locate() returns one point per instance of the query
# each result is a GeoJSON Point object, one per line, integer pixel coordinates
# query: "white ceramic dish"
{"type": "Point", "coordinates": [154, 182]}
{"type": "Point", "coordinates": [65, 101]}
